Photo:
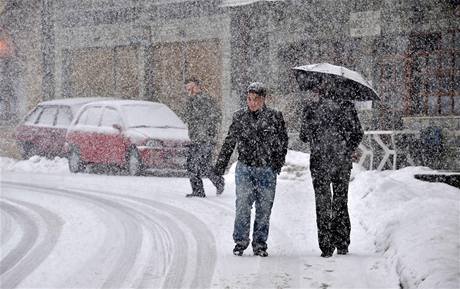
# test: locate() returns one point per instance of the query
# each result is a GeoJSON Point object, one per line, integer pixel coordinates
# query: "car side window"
{"type": "Point", "coordinates": [110, 117]}
{"type": "Point", "coordinates": [64, 117]}
{"type": "Point", "coordinates": [48, 116]}
{"type": "Point", "coordinates": [32, 117]}
{"type": "Point", "coordinates": [90, 116]}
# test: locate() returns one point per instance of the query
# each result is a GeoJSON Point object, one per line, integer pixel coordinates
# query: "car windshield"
{"type": "Point", "coordinates": [151, 116]}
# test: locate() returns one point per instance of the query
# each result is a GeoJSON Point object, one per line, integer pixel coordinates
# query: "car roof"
{"type": "Point", "coordinates": [72, 101]}
{"type": "Point", "coordinates": [121, 102]}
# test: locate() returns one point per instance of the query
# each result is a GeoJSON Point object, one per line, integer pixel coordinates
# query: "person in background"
{"type": "Point", "coordinates": [333, 129]}
{"type": "Point", "coordinates": [203, 118]}
{"type": "Point", "coordinates": [260, 135]}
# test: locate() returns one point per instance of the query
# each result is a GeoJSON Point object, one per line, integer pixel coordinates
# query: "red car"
{"type": "Point", "coordinates": [132, 134]}
{"type": "Point", "coordinates": [43, 130]}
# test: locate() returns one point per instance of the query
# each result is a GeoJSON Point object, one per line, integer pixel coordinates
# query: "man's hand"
{"type": "Point", "coordinates": [355, 156]}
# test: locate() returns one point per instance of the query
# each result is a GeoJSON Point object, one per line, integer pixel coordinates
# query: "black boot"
{"type": "Point", "coordinates": [219, 183]}
{"type": "Point", "coordinates": [261, 252]}
{"type": "Point", "coordinates": [342, 251]}
{"type": "Point", "coordinates": [220, 187]}
{"type": "Point", "coordinates": [198, 195]}
{"type": "Point", "coordinates": [238, 250]}
{"type": "Point", "coordinates": [328, 253]}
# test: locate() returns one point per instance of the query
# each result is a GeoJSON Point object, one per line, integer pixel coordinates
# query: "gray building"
{"type": "Point", "coordinates": [144, 49]}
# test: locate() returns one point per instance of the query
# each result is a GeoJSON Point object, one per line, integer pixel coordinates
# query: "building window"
{"type": "Point", "coordinates": [432, 72]}
{"type": "Point", "coordinates": [425, 78]}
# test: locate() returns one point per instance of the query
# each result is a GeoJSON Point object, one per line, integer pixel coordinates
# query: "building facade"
{"type": "Point", "coordinates": [144, 49]}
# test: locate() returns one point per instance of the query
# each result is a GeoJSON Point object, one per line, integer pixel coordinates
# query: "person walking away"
{"type": "Point", "coordinates": [202, 118]}
{"type": "Point", "coordinates": [260, 136]}
{"type": "Point", "coordinates": [333, 129]}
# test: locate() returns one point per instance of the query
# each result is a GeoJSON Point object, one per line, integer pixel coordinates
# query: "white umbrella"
{"type": "Point", "coordinates": [349, 83]}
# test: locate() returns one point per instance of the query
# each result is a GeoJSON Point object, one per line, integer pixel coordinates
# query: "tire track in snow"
{"type": "Point", "coordinates": [126, 228]}
{"type": "Point", "coordinates": [176, 221]}
{"type": "Point", "coordinates": [156, 230]}
{"type": "Point", "coordinates": [29, 236]}
{"type": "Point", "coordinates": [6, 227]}
{"type": "Point", "coordinates": [201, 270]}
{"type": "Point", "coordinates": [177, 268]}
{"type": "Point", "coordinates": [129, 236]}
{"type": "Point", "coordinates": [28, 255]}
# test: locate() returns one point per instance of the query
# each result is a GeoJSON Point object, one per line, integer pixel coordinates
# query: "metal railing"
{"type": "Point", "coordinates": [383, 143]}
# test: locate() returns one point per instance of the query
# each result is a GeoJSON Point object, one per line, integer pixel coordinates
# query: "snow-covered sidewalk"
{"type": "Point", "coordinates": [404, 232]}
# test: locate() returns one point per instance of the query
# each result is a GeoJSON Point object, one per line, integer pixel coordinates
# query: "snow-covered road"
{"type": "Point", "coordinates": [133, 242]}
{"type": "Point", "coordinates": [94, 231]}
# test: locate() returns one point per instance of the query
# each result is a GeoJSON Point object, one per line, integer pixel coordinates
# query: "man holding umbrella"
{"type": "Point", "coordinates": [333, 129]}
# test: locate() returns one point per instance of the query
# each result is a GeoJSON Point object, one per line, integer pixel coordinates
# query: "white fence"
{"type": "Point", "coordinates": [383, 143]}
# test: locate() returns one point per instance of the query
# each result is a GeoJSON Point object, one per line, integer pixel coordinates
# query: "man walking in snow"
{"type": "Point", "coordinates": [203, 118]}
{"type": "Point", "coordinates": [261, 139]}
{"type": "Point", "coordinates": [333, 129]}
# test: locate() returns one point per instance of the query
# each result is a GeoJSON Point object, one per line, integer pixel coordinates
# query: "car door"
{"type": "Point", "coordinates": [59, 130]}
{"type": "Point", "coordinates": [114, 145]}
{"type": "Point", "coordinates": [25, 132]}
{"type": "Point", "coordinates": [44, 131]}
{"type": "Point", "coordinates": [84, 134]}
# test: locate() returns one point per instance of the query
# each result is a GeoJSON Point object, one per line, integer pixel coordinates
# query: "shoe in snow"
{"type": "Point", "coordinates": [220, 187]}
{"type": "Point", "coordinates": [342, 251]}
{"type": "Point", "coordinates": [261, 253]}
{"type": "Point", "coordinates": [238, 250]}
{"type": "Point", "coordinates": [195, 195]}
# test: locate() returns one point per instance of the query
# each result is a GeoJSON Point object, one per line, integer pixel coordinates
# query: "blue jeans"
{"type": "Point", "coordinates": [253, 185]}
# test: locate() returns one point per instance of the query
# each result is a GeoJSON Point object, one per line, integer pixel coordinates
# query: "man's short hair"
{"type": "Point", "coordinates": [193, 79]}
{"type": "Point", "coordinates": [257, 88]}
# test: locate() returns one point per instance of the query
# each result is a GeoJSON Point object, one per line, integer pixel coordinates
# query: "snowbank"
{"type": "Point", "coordinates": [416, 225]}
{"type": "Point", "coordinates": [35, 164]}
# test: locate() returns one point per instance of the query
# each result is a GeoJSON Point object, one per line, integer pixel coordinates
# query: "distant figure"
{"type": "Point", "coordinates": [260, 135]}
{"type": "Point", "coordinates": [203, 118]}
{"type": "Point", "coordinates": [432, 147]}
{"type": "Point", "coordinates": [333, 129]}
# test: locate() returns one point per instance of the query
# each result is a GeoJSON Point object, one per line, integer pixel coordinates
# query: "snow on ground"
{"type": "Point", "coordinates": [416, 225]}
{"type": "Point", "coordinates": [92, 231]}
{"type": "Point", "coordinates": [35, 164]}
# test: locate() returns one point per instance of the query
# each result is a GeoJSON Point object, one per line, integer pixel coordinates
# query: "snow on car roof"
{"type": "Point", "coordinates": [235, 3]}
{"type": "Point", "coordinates": [143, 113]}
{"type": "Point", "coordinates": [119, 102]}
{"type": "Point", "coordinates": [73, 101]}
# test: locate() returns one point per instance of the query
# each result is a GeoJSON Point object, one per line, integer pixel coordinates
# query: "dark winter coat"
{"type": "Point", "coordinates": [203, 118]}
{"type": "Point", "coordinates": [334, 132]}
{"type": "Point", "coordinates": [261, 139]}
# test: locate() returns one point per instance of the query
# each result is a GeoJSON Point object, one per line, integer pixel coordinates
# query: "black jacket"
{"type": "Point", "coordinates": [203, 118]}
{"type": "Point", "coordinates": [333, 130]}
{"type": "Point", "coordinates": [261, 139]}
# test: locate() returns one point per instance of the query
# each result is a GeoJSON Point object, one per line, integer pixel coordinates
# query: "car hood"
{"type": "Point", "coordinates": [176, 134]}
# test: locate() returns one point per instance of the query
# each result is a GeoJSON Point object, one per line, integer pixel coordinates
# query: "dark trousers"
{"type": "Point", "coordinates": [199, 158]}
{"type": "Point", "coordinates": [332, 218]}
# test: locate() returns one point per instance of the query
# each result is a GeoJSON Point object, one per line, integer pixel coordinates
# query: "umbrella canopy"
{"type": "Point", "coordinates": [347, 83]}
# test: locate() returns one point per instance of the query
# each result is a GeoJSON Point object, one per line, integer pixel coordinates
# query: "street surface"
{"type": "Point", "coordinates": [95, 231]}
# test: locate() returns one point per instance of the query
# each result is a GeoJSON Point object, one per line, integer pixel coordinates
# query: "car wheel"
{"type": "Point", "coordinates": [26, 150]}
{"type": "Point", "coordinates": [75, 163]}
{"type": "Point", "coordinates": [134, 163]}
